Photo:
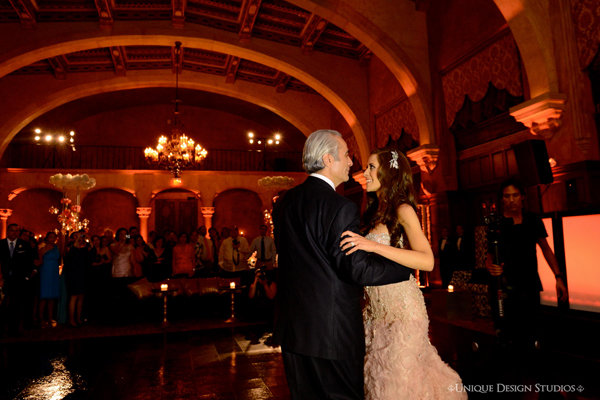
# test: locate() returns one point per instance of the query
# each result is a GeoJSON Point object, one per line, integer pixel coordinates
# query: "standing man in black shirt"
{"type": "Point", "coordinates": [519, 234]}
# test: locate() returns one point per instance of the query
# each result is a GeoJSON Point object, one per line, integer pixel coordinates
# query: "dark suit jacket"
{"type": "Point", "coordinates": [18, 267]}
{"type": "Point", "coordinates": [320, 288]}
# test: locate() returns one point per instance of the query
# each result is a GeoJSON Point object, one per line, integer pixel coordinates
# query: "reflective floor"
{"type": "Point", "coordinates": [221, 364]}
{"type": "Point", "coordinates": [208, 359]}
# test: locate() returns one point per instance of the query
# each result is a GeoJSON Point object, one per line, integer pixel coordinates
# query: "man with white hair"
{"type": "Point", "coordinates": [319, 321]}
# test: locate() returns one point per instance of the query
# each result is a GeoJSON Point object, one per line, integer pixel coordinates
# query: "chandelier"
{"type": "Point", "coordinates": [176, 152]}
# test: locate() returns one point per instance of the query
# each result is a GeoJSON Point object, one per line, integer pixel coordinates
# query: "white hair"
{"type": "Point", "coordinates": [318, 144]}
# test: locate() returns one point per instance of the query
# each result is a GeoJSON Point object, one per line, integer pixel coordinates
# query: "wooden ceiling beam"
{"type": "Point", "coordinates": [177, 59]}
{"type": "Point", "coordinates": [25, 11]}
{"type": "Point", "coordinates": [104, 12]}
{"type": "Point", "coordinates": [178, 16]}
{"type": "Point", "coordinates": [311, 32]}
{"type": "Point", "coordinates": [59, 67]}
{"type": "Point", "coordinates": [248, 14]}
{"type": "Point", "coordinates": [117, 54]}
{"type": "Point", "coordinates": [281, 82]}
{"type": "Point", "coordinates": [364, 54]}
{"type": "Point", "coordinates": [233, 63]}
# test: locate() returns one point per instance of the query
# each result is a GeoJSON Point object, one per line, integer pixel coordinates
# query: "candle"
{"type": "Point", "coordinates": [232, 285]}
{"type": "Point", "coordinates": [450, 288]}
{"type": "Point", "coordinates": [164, 287]}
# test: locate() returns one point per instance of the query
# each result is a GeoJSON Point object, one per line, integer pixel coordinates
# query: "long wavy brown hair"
{"type": "Point", "coordinates": [396, 189]}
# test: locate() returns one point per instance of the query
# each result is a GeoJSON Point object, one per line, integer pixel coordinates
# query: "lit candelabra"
{"type": "Point", "coordinates": [68, 217]}
{"type": "Point", "coordinates": [69, 213]}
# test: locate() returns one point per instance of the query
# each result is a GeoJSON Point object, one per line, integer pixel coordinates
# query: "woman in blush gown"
{"type": "Point", "coordinates": [400, 362]}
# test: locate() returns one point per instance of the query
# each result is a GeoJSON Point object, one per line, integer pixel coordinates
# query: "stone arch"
{"type": "Point", "coordinates": [302, 110]}
{"type": "Point", "coordinates": [109, 208]}
{"type": "Point", "coordinates": [342, 89]}
{"type": "Point", "coordinates": [411, 73]}
{"type": "Point", "coordinates": [176, 209]}
{"type": "Point", "coordinates": [239, 207]}
{"type": "Point", "coordinates": [532, 32]}
{"type": "Point", "coordinates": [160, 192]}
{"type": "Point", "coordinates": [31, 209]}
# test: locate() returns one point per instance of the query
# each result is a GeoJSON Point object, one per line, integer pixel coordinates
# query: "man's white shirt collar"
{"type": "Point", "coordinates": [323, 177]}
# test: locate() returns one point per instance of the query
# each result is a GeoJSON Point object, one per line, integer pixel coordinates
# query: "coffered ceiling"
{"type": "Point", "coordinates": [272, 20]}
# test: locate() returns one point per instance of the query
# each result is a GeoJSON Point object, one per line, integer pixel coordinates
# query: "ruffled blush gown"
{"type": "Point", "coordinates": [400, 362]}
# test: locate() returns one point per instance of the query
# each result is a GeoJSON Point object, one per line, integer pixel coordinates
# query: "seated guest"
{"type": "Point", "coordinates": [158, 263]}
{"type": "Point", "coordinates": [183, 257]}
{"type": "Point", "coordinates": [234, 252]}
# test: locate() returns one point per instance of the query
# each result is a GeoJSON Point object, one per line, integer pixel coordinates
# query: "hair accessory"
{"type": "Point", "coordinates": [394, 160]}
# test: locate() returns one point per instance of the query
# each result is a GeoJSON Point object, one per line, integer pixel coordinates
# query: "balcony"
{"type": "Point", "coordinates": [19, 155]}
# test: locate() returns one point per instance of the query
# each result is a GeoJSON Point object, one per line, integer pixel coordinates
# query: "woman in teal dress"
{"type": "Point", "coordinates": [49, 260]}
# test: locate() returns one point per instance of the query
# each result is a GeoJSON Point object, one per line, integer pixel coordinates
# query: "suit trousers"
{"type": "Point", "coordinates": [312, 378]}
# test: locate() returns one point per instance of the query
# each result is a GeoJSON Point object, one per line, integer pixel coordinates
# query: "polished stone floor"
{"type": "Point", "coordinates": [196, 358]}
{"type": "Point", "coordinates": [216, 364]}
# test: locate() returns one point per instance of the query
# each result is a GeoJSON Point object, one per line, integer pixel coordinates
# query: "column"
{"type": "Point", "coordinates": [4, 214]}
{"type": "Point", "coordinates": [144, 213]}
{"type": "Point", "coordinates": [207, 213]}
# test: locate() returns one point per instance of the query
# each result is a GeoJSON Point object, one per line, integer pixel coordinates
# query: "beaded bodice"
{"type": "Point", "coordinates": [398, 301]}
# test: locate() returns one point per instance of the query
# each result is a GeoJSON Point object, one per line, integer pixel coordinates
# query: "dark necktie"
{"type": "Point", "coordinates": [12, 248]}
{"type": "Point", "coordinates": [262, 249]}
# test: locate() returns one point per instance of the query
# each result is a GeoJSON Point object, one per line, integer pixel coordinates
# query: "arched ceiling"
{"type": "Point", "coordinates": [274, 21]}
{"type": "Point", "coordinates": [233, 117]}
{"type": "Point", "coordinates": [275, 45]}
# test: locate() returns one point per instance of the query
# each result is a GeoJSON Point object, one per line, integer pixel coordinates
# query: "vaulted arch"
{"type": "Point", "coordinates": [305, 111]}
{"type": "Point", "coordinates": [342, 82]}
{"type": "Point", "coordinates": [396, 32]}
{"type": "Point", "coordinates": [532, 31]}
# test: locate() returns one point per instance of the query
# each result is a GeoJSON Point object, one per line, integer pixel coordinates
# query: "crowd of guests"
{"type": "Point", "coordinates": [77, 278]}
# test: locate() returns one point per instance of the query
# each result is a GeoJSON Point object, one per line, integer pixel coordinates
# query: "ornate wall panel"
{"type": "Point", "coordinates": [497, 62]}
{"type": "Point", "coordinates": [391, 122]}
{"type": "Point", "coordinates": [586, 17]}
{"type": "Point", "coordinates": [352, 146]}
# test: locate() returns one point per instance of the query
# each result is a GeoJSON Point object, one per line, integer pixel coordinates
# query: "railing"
{"type": "Point", "coordinates": [119, 157]}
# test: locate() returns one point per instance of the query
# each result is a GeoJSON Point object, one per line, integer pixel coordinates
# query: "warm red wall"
{"type": "Point", "coordinates": [241, 208]}
{"type": "Point", "coordinates": [109, 208]}
{"type": "Point", "coordinates": [141, 126]}
{"type": "Point", "coordinates": [30, 210]}
{"type": "Point", "coordinates": [459, 26]}
{"type": "Point", "coordinates": [384, 89]}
